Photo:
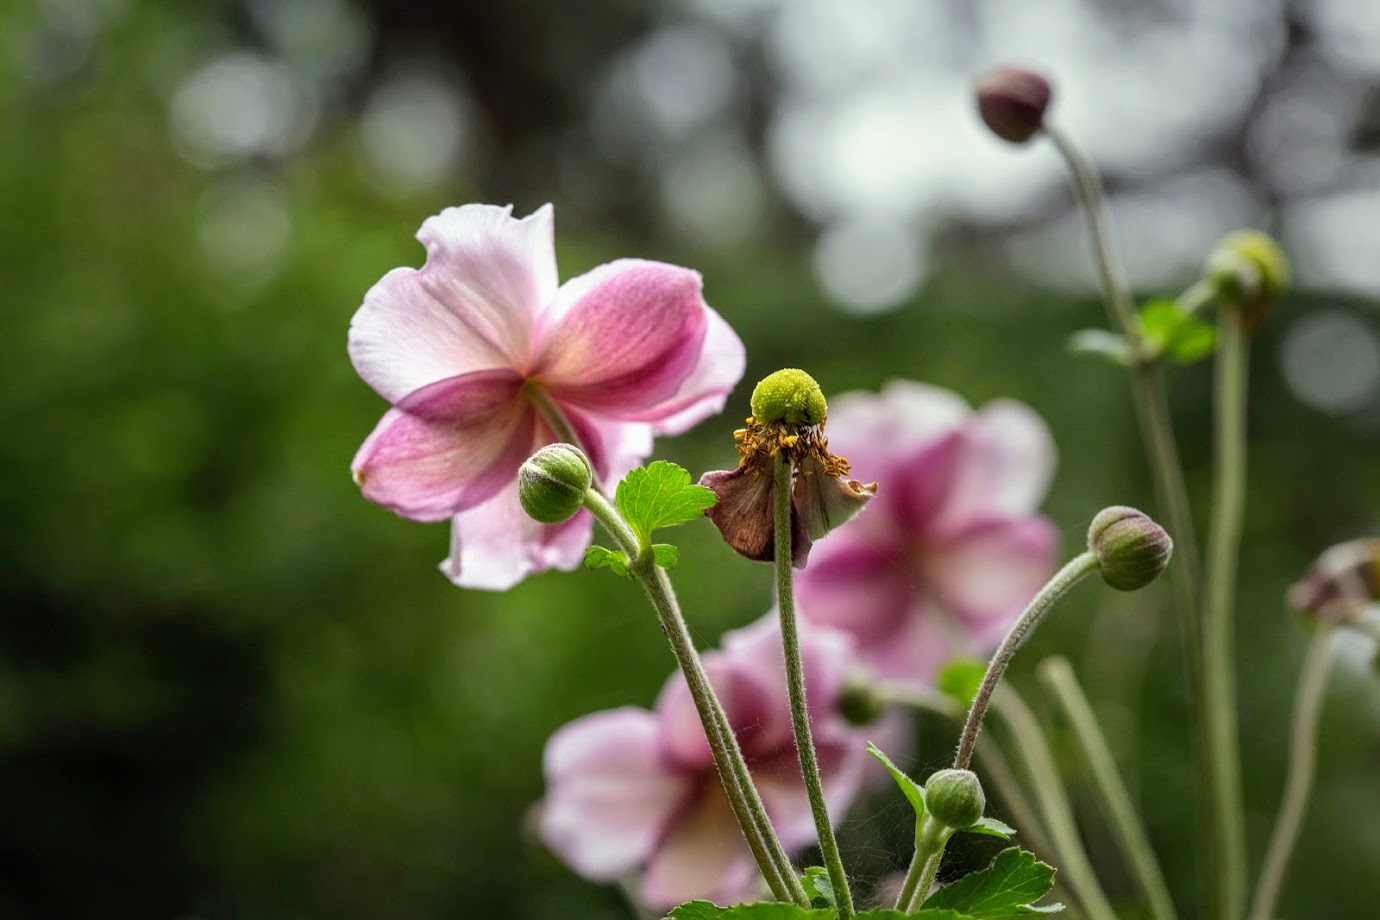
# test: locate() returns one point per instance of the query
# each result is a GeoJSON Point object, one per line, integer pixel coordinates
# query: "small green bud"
{"type": "Point", "coordinates": [859, 703]}
{"type": "Point", "coordinates": [955, 798]}
{"type": "Point", "coordinates": [1012, 102]}
{"type": "Point", "coordinates": [552, 483]}
{"type": "Point", "coordinates": [789, 396]}
{"type": "Point", "coordinates": [1131, 549]}
{"type": "Point", "coordinates": [1249, 269]}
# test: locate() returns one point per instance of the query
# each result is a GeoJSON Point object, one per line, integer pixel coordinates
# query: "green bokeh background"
{"type": "Point", "coordinates": [231, 688]}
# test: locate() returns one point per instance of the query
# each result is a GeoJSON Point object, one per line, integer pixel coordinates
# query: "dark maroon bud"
{"type": "Point", "coordinates": [1012, 102]}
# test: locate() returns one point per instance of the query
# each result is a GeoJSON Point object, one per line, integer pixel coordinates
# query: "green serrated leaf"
{"type": "Point", "coordinates": [1099, 343]}
{"type": "Point", "coordinates": [818, 887]}
{"type": "Point", "coordinates": [597, 557]}
{"type": "Point", "coordinates": [1175, 334]}
{"type": "Point", "coordinates": [912, 790]}
{"type": "Point", "coordinates": [660, 495]}
{"type": "Point", "coordinates": [666, 555]}
{"type": "Point", "coordinates": [706, 910]}
{"type": "Point", "coordinates": [922, 914]}
{"type": "Point", "coordinates": [960, 679]}
{"type": "Point", "coordinates": [1005, 890]}
{"type": "Point", "coordinates": [992, 828]}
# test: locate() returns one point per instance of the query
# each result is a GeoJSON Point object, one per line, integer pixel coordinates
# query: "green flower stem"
{"type": "Point", "coordinates": [929, 853]}
{"type": "Point", "coordinates": [1058, 814]}
{"type": "Point", "coordinates": [1229, 499]}
{"type": "Point", "coordinates": [1303, 756]}
{"type": "Point", "coordinates": [1057, 674]}
{"type": "Point", "coordinates": [747, 806]}
{"type": "Point", "coordinates": [1078, 568]}
{"type": "Point", "coordinates": [1166, 472]}
{"type": "Point", "coordinates": [991, 763]}
{"type": "Point", "coordinates": [795, 684]}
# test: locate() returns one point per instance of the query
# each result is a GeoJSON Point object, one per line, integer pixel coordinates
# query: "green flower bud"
{"type": "Point", "coordinates": [1131, 549]}
{"type": "Point", "coordinates": [1012, 102]}
{"type": "Point", "coordinates": [1247, 268]}
{"type": "Point", "coordinates": [789, 396]}
{"type": "Point", "coordinates": [552, 483]}
{"type": "Point", "coordinates": [859, 703]}
{"type": "Point", "coordinates": [955, 798]}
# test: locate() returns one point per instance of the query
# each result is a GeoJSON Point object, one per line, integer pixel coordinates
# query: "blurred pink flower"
{"type": "Point", "coordinates": [950, 550]}
{"type": "Point", "coordinates": [626, 351]}
{"type": "Point", "coordinates": [632, 791]}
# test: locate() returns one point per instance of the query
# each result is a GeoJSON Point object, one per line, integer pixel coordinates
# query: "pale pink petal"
{"type": "Point", "coordinates": [496, 545]}
{"type": "Point", "coordinates": [874, 430]}
{"type": "Point", "coordinates": [702, 856]}
{"type": "Point", "coordinates": [842, 754]}
{"type": "Point", "coordinates": [447, 447]}
{"type": "Point", "coordinates": [1007, 461]}
{"type": "Point", "coordinates": [472, 306]}
{"type": "Point", "coordinates": [609, 796]}
{"type": "Point", "coordinates": [748, 707]}
{"type": "Point", "coordinates": [622, 338]}
{"type": "Point", "coordinates": [924, 641]}
{"type": "Point", "coordinates": [859, 586]}
{"type": "Point", "coordinates": [920, 487]}
{"type": "Point", "coordinates": [986, 574]}
{"type": "Point", "coordinates": [722, 362]}
{"type": "Point", "coordinates": [827, 657]}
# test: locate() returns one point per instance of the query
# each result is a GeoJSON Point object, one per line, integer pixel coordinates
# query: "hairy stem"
{"type": "Point", "coordinates": [1229, 498]}
{"type": "Point", "coordinates": [991, 763]}
{"type": "Point", "coordinates": [1166, 472]}
{"type": "Point", "coordinates": [1058, 675]}
{"type": "Point", "coordinates": [747, 806]}
{"type": "Point", "coordinates": [1078, 568]}
{"type": "Point", "coordinates": [924, 866]}
{"type": "Point", "coordinates": [1303, 756]}
{"type": "Point", "coordinates": [795, 685]}
{"type": "Point", "coordinates": [1058, 814]}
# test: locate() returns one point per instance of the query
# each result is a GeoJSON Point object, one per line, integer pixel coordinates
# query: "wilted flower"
{"type": "Point", "coordinates": [632, 791]}
{"type": "Point", "coordinates": [951, 550]}
{"type": "Point", "coordinates": [1342, 583]}
{"type": "Point", "coordinates": [468, 347]}
{"type": "Point", "coordinates": [788, 416]}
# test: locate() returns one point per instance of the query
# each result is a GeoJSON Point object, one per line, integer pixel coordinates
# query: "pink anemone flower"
{"type": "Point", "coordinates": [635, 792]}
{"type": "Point", "coordinates": [476, 350]}
{"type": "Point", "coordinates": [951, 549]}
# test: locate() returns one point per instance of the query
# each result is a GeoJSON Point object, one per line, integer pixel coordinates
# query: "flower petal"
{"type": "Point", "coordinates": [472, 306]}
{"type": "Point", "coordinates": [622, 338]}
{"type": "Point", "coordinates": [447, 447]}
{"type": "Point", "coordinates": [874, 430]}
{"type": "Point", "coordinates": [986, 574]}
{"type": "Point", "coordinates": [496, 545]}
{"type": "Point", "coordinates": [722, 362]}
{"type": "Point", "coordinates": [859, 586]}
{"type": "Point", "coordinates": [751, 711]}
{"type": "Point", "coordinates": [841, 755]}
{"type": "Point", "coordinates": [703, 856]}
{"type": "Point", "coordinates": [610, 797]}
{"type": "Point", "coordinates": [745, 515]}
{"type": "Point", "coordinates": [1006, 463]}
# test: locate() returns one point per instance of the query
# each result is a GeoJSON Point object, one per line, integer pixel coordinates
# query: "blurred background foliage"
{"type": "Point", "coordinates": [229, 687]}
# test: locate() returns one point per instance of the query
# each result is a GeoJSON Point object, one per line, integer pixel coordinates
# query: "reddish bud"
{"type": "Point", "coordinates": [1012, 102]}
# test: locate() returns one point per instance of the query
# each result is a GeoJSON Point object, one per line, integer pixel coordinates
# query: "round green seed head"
{"type": "Point", "coordinates": [789, 396]}
{"type": "Point", "coordinates": [1249, 268]}
{"type": "Point", "coordinates": [955, 798]}
{"type": "Point", "coordinates": [1131, 549]}
{"type": "Point", "coordinates": [552, 483]}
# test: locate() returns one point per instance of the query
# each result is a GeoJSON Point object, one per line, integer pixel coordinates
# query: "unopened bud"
{"type": "Point", "coordinates": [552, 483]}
{"type": "Point", "coordinates": [789, 396]}
{"type": "Point", "coordinates": [859, 702]}
{"type": "Point", "coordinates": [1248, 269]}
{"type": "Point", "coordinates": [1131, 549]}
{"type": "Point", "coordinates": [955, 798]}
{"type": "Point", "coordinates": [1012, 102]}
